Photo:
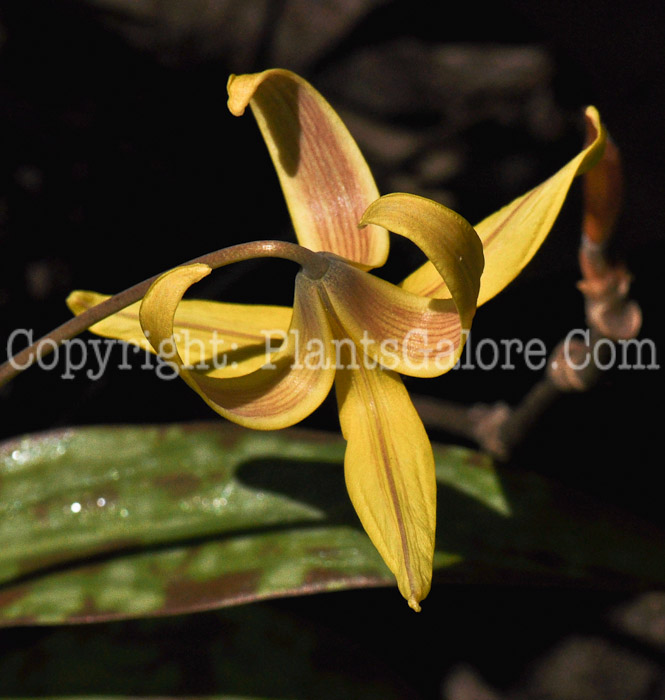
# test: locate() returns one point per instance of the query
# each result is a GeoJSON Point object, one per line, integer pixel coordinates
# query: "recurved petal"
{"type": "Point", "coordinates": [390, 474]}
{"type": "Point", "coordinates": [325, 179]}
{"type": "Point", "coordinates": [229, 338]}
{"type": "Point", "coordinates": [448, 240]}
{"type": "Point", "coordinates": [412, 335]}
{"type": "Point", "coordinates": [512, 235]}
{"type": "Point", "coordinates": [292, 381]}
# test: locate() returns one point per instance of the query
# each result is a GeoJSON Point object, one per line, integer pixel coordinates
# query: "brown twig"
{"type": "Point", "coordinates": [313, 264]}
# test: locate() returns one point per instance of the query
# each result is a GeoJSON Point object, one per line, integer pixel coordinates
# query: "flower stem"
{"type": "Point", "coordinates": [313, 264]}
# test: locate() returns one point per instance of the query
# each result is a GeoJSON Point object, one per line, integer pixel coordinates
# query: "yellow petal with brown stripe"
{"type": "Point", "coordinates": [449, 241]}
{"type": "Point", "coordinates": [326, 182]}
{"type": "Point", "coordinates": [229, 338]}
{"type": "Point", "coordinates": [286, 389]}
{"type": "Point", "coordinates": [412, 335]}
{"type": "Point", "coordinates": [390, 474]}
{"type": "Point", "coordinates": [512, 235]}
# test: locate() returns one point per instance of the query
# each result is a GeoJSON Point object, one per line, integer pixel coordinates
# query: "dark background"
{"type": "Point", "coordinates": [120, 159]}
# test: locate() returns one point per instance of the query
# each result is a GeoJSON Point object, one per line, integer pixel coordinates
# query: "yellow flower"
{"type": "Point", "coordinates": [346, 326]}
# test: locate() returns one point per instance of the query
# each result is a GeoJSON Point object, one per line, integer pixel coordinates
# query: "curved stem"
{"type": "Point", "coordinates": [313, 264]}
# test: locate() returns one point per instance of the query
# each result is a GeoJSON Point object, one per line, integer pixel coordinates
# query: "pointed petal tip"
{"type": "Point", "coordinates": [603, 186]}
{"type": "Point", "coordinates": [595, 141]}
{"type": "Point", "coordinates": [592, 114]}
{"type": "Point", "coordinates": [240, 89]}
{"type": "Point", "coordinates": [512, 235]}
{"type": "Point", "coordinates": [326, 181]}
{"type": "Point", "coordinates": [590, 109]}
{"type": "Point", "coordinates": [74, 301]}
{"type": "Point", "coordinates": [413, 604]}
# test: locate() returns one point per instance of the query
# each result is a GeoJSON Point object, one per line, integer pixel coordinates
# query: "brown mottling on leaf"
{"type": "Point", "coordinates": [227, 434]}
{"type": "Point", "coordinates": [243, 587]}
{"type": "Point", "coordinates": [229, 589]}
{"type": "Point", "coordinates": [41, 511]}
{"type": "Point", "coordinates": [178, 484]}
{"type": "Point", "coordinates": [44, 562]}
{"type": "Point", "coordinates": [10, 595]}
{"type": "Point", "coordinates": [7, 598]}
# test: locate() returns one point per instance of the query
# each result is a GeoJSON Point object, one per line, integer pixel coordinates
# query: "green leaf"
{"type": "Point", "coordinates": [116, 522]}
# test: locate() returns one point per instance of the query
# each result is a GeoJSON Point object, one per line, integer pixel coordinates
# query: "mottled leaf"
{"type": "Point", "coordinates": [117, 522]}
